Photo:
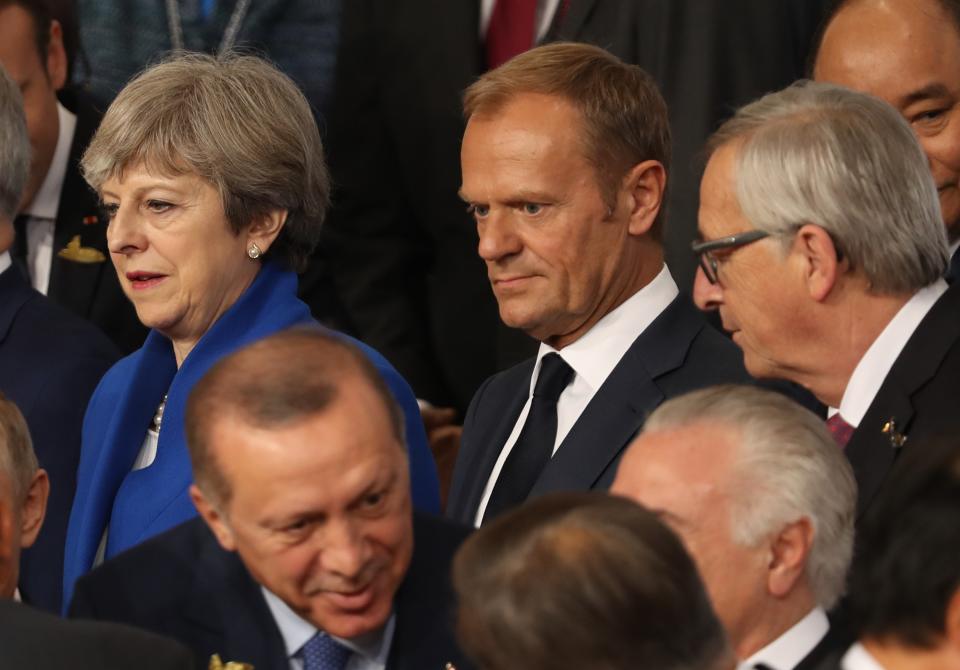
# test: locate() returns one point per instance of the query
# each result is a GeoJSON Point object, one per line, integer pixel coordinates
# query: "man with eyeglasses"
{"type": "Point", "coordinates": [823, 249]}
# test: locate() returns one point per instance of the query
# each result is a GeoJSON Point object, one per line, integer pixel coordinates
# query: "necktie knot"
{"type": "Point", "coordinates": [554, 377]}
{"type": "Point", "coordinates": [322, 652]}
{"type": "Point", "coordinates": [840, 429]}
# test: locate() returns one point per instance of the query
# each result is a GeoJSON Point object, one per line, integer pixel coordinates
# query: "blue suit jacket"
{"type": "Point", "coordinates": [677, 353]}
{"type": "Point", "coordinates": [50, 362]}
{"type": "Point", "coordinates": [138, 505]}
{"type": "Point", "coordinates": [182, 584]}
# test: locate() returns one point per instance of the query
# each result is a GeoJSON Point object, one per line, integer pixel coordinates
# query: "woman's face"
{"type": "Point", "coordinates": [177, 258]}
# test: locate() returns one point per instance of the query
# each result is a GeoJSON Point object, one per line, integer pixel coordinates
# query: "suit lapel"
{"type": "Point", "coordinates": [567, 25]}
{"type": "Point", "coordinates": [871, 451]}
{"type": "Point", "coordinates": [228, 615]}
{"type": "Point", "coordinates": [489, 442]}
{"type": "Point", "coordinates": [619, 408]}
{"type": "Point", "coordinates": [14, 292]}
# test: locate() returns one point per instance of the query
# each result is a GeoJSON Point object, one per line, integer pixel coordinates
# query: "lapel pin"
{"type": "Point", "coordinates": [890, 430]}
{"type": "Point", "coordinates": [217, 664]}
{"type": "Point", "coordinates": [77, 253]}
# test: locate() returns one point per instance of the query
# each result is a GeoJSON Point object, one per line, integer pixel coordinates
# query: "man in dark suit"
{"type": "Point", "coordinates": [565, 174]}
{"type": "Point", "coordinates": [33, 640]}
{"type": "Point", "coordinates": [279, 568]}
{"type": "Point", "coordinates": [50, 363]}
{"type": "Point", "coordinates": [755, 486]}
{"type": "Point", "coordinates": [61, 241]}
{"type": "Point", "coordinates": [906, 52]}
{"type": "Point", "coordinates": [824, 250]}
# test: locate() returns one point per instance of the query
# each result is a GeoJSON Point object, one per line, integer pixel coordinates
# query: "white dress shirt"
{"type": "Point", "coordinates": [545, 11]}
{"type": "Point", "coordinates": [592, 357]}
{"type": "Point", "coordinates": [786, 652]}
{"type": "Point", "coordinates": [370, 651]}
{"type": "Point", "coordinates": [868, 376]}
{"type": "Point", "coordinates": [45, 205]}
{"type": "Point", "coordinates": [5, 261]}
{"type": "Point", "coordinates": [858, 658]}
{"type": "Point", "coordinates": [953, 248]}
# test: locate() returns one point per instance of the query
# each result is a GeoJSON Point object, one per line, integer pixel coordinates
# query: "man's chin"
{"type": "Point", "coordinates": [350, 624]}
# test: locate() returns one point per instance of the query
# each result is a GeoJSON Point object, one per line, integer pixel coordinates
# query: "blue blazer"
{"type": "Point", "coordinates": [50, 363]}
{"type": "Point", "coordinates": [138, 505]}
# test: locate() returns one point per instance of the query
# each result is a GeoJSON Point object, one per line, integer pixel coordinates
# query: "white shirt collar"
{"type": "Point", "coordinates": [868, 376]}
{"type": "Point", "coordinates": [296, 631]}
{"type": "Point", "coordinates": [858, 658]}
{"type": "Point", "coordinates": [595, 354]}
{"type": "Point", "coordinates": [789, 649]}
{"type": "Point", "coordinates": [545, 11]}
{"type": "Point", "coordinates": [954, 247]}
{"type": "Point", "coordinates": [5, 261]}
{"type": "Point", "coordinates": [46, 201]}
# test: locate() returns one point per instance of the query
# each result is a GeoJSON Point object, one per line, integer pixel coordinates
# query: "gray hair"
{"type": "Point", "coordinates": [849, 163]}
{"type": "Point", "coordinates": [14, 147]}
{"type": "Point", "coordinates": [18, 462]}
{"type": "Point", "coordinates": [788, 467]}
{"type": "Point", "coordinates": [235, 121]}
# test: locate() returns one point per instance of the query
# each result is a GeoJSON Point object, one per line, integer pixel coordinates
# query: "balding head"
{"type": "Point", "coordinates": [274, 383]}
{"type": "Point", "coordinates": [907, 53]}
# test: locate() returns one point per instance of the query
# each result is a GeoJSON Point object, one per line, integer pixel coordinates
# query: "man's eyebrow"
{"type": "Point", "coordinates": [928, 91]}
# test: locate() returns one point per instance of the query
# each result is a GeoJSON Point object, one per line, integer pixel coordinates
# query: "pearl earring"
{"type": "Point", "coordinates": [253, 251]}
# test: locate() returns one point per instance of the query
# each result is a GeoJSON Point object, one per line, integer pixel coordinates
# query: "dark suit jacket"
{"type": "Point", "coordinates": [184, 585]}
{"type": "Point", "coordinates": [920, 394]}
{"type": "Point", "coordinates": [677, 353]}
{"type": "Point", "coordinates": [50, 363]}
{"type": "Point", "coordinates": [90, 290]}
{"type": "Point", "coordinates": [34, 640]}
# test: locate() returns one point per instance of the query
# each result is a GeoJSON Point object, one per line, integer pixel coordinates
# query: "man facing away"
{"type": "Point", "coordinates": [307, 546]}
{"type": "Point", "coordinates": [565, 161]}
{"type": "Point", "coordinates": [906, 52]}
{"type": "Point", "coordinates": [764, 501]}
{"type": "Point", "coordinates": [823, 250]}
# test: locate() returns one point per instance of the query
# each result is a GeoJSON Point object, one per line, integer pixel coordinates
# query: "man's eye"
{"type": "Point", "coordinates": [532, 208]}
{"type": "Point", "coordinates": [295, 527]}
{"type": "Point", "coordinates": [478, 211]}
{"type": "Point", "coordinates": [373, 500]}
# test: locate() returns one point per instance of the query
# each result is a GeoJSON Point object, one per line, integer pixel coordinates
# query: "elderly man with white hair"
{"type": "Point", "coordinates": [764, 501]}
{"type": "Point", "coordinates": [823, 249]}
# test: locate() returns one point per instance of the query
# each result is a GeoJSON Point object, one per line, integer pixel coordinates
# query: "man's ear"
{"type": "Point", "coordinates": [822, 262]}
{"type": "Point", "coordinates": [34, 508]}
{"type": "Point", "coordinates": [213, 518]}
{"type": "Point", "coordinates": [789, 550]}
{"type": "Point", "coordinates": [264, 231]}
{"type": "Point", "coordinates": [56, 61]}
{"type": "Point", "coordinates": [645, 186]}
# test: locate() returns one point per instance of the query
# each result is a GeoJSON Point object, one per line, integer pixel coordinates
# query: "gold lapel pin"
{"type": "Point", "coordinates": [890, 430]}
{"type": "Point", "coordinates": [217, 664]}
{"type": "Point", "coordinates": [80, 254]}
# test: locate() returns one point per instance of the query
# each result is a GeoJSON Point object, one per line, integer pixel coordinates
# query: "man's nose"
{"type": "Point", "coordinates": [498, 237]}
{"type": "Point", "coordinates": [344, 550]}
{"type": "Point", "coordinates": [706, 295]}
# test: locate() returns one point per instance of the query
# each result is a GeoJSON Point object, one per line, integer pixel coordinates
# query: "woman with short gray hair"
{"type": "Point", "coordinates": [212, 175]}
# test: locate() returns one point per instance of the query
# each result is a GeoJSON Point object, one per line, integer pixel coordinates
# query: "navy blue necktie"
{"type": "Point", "coordinates": [534, 447]}
{"type": "Point", "coordinates": [322, 652]}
